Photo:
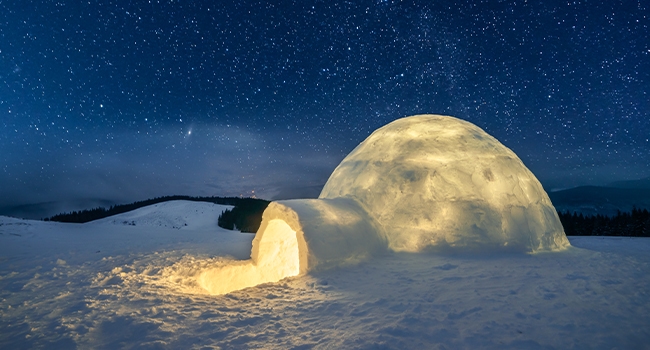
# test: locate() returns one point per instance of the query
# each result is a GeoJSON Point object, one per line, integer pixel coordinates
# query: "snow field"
{"type": "Point", "coordinates": [111, 285]}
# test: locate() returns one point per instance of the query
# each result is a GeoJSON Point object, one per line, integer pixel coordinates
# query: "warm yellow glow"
{"type": "Point", "coordinates": [437, 181]}
{"type": "Point", "coordinates": [275, 258]}
{"type": "Point", "coordinates": [331, 216]}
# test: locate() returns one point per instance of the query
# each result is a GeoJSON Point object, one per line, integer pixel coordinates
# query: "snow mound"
{"type": "Point", "coordinates": [437, 181]}
{"type": "Point", "coordinates": [179, 214]}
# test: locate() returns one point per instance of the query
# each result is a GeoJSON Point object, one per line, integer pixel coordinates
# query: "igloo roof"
{"type": "Point", "coordinates": [435, 181]}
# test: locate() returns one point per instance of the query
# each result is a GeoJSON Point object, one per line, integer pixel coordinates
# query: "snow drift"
{"type": "Point", "coordinates": [425, 182]}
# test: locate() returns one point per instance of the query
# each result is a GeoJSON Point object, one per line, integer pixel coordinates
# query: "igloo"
{"type": "Point", "coordinates": [426, 182]}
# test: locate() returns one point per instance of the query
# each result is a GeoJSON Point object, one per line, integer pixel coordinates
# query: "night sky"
{"type": "Point", "coordinates": [127, 100]}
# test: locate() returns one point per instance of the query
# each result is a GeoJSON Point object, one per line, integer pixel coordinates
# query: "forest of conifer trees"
{"type": "Point", "coordinates": [634, 224]}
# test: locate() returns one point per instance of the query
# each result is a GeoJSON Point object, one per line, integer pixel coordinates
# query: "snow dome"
{"type": "Point", "coordinates": [425, 182]}
{"type": "Point", "coordinates": [435, 181]}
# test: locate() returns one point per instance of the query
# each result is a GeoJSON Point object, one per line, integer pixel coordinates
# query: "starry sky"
{"type": "Point", "coordinates": [122, 100]}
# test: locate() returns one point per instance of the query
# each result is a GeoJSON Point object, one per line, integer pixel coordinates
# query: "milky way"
{"type": "Point", "coordinates": [126, 100]}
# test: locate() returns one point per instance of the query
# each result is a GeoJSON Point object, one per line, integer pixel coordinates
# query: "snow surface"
{"type": "Point", "coordinates": [108, 285]}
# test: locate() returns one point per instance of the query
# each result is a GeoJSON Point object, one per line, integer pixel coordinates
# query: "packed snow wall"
{"type": "Point", "coordinates": [425, 182]}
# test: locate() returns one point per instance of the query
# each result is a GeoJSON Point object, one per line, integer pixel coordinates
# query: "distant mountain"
{"type": "Point", "coordinates": [641, 183]}
{"type": "Point", "coordinates": [593, 200]}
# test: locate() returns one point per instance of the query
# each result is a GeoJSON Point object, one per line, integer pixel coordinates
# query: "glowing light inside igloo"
{"type": "Point", "coordinates": [274, 257]}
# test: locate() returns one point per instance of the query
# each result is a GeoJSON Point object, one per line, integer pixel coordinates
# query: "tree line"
{"type": "Point", "coordinates": [634, 224]}
{"type": "Point", "coordinates": [246, 214]}
{"type": "Point", "coordinates": [245, 217]}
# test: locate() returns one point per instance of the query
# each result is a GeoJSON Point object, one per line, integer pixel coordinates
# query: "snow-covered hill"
{"type": "Point", "coordinates": [181, 214]}
{"type": "Point", "coordinates": [107, 285]}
